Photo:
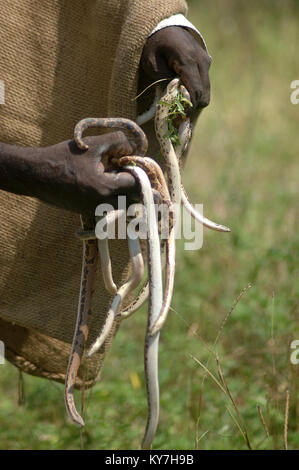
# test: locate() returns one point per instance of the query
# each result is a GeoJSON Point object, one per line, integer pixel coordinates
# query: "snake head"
{"type": "Point", "coordinates": [173, 85]}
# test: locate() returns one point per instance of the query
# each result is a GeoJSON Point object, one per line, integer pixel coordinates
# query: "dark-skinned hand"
{"type": "Point", "coordinates": [67, 177]}
{"type": "Point", "coordinates": [173, 51]}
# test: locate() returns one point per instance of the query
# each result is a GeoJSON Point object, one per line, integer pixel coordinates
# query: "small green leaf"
{"type": "Point", "coordinates": [165, 103]}
{"type": "Point", "coordinates": [176, 110]}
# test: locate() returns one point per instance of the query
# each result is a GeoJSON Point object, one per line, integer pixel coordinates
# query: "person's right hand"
{"type": "Point", "coordinates": [76, 179]}
{"type": "Point", "coordinates": [68, 177]}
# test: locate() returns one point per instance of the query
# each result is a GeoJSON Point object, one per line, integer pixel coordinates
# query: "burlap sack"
{"type": "Point", "coordinates": [60, 62]}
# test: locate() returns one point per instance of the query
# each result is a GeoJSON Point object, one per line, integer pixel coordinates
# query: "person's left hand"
{"type": "Point", "coordinates": [173, 51]}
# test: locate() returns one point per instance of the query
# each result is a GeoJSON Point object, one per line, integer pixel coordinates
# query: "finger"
{"type": "Point", "coordinates": [132, 191]}
{"type": "Point", "coordinates": [203, 67]}
{"type": "Point", "coordinates": [121, 183]}
{"type": "Point", "coordinates": [126, 183]}
{"type": "Point", "coordinates": [156, 67]}
{"type": "Point", "coordinates": [120, 145]}
{"type": "Point", "coordinates": [114, 144]}
{"type": "Point", "coordinates": [190, 77]}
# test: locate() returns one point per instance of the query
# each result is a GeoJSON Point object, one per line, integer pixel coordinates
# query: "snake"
{"type": "Point", "coordinates": [149, 175]}
{"type": "Point", "coordinates": [152, 171]}
{"type": "Point", "coordinates": [168, 151]}
{"type": "Point", "coordinates": [172, 167]}
{"type": "Point", "coordinates": [88, 236]}
{"type": "Point", "coordinates": [154, 309]}
{"type": "Point", "coordinates": [158, 182]}
{"type": "Point", "coordinates": [90, 258]}
{"type": "Point", "coordinates": [159, 111]}
{"type": "Point", "coordinates": [130, 285]}
{"type": "Point", "coordinates": [114, 123]}
{"type": "Point", "coordinates": [103, 246]}
{"type": "Point", "coordinates": [89, 265]}
{"type": "Point", "coordinates": [160, 186]}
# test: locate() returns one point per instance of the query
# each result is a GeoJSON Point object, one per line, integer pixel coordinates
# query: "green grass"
{"type": "Point", "coordinates": [243, 169]}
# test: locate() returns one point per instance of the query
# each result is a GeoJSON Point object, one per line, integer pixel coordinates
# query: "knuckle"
{"type": "Point", "coordinates": [148, 62]}
{"type": "Point", "coordinates": [205, 101]}
{"type": "Point", "coordinates": [118, 136]}
{"type": "Point", "coordinates": [207, 59]}
{"type": "Point", "coordinates": [106, 192]}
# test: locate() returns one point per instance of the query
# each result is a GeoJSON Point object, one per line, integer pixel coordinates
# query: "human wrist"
{"type": "Point", "coordinates": [17, 168]}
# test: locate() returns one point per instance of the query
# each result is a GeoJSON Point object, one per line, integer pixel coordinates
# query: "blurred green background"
{"type": "Point", "coordinates": [242, 167]}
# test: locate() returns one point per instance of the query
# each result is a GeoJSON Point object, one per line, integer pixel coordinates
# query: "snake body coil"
{"type": "Point", "coordinates": [150, 176]}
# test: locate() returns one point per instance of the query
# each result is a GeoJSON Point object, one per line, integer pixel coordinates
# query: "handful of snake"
{"type": "Point", "coordinates": [149, 176]}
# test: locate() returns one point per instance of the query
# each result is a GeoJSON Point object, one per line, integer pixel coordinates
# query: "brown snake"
{"type": "Point", "coordinates": [84, 306]}
{"type": "Point", "coordinates": [171, 194]}
{"type": "Point", "coordinates": [90, 258]}
{"type": "Point", "coordinates": [111, 123]}
{"type": "Point", "coordinates": [89, 265]}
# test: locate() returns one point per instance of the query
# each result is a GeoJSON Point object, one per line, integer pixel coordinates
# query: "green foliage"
{"type": "Point", "coordinates": [243, 168]}
{"type": "Point", "coordinates": [177, 111]}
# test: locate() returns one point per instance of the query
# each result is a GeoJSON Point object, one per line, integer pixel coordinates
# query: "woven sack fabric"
{"type": "Point", "coordinates": [61, 61]}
